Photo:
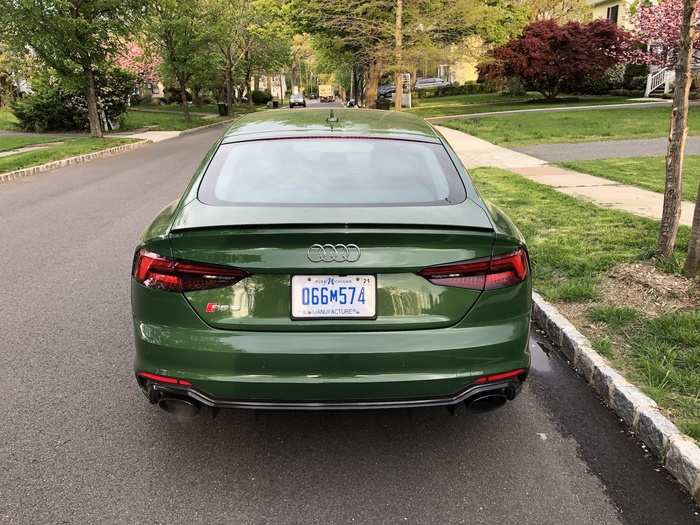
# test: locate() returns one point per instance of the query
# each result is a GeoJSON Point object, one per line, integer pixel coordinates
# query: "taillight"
{"type": "Point", "coordinates": [500, 377]}
{"type": "Point", "coordinates": [155, 271]}
{"type": "Point", "coordinates": [164, 379]}
{"type": "Point", "coordinates": [481, 274]}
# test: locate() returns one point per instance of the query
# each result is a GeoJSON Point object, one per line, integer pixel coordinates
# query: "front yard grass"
{"type": "Point", "coordinates": [488, 102]}
{"type": "Point", "coordinates": [574, 126]}
{"type": "Point", "coordinates": [578, 252]}
{"type": "Point", "coordinates": [163, 121]}
{"type": "Point", "coordinates": [68, 148]}
{"type": "Point", "coordinates": [645, 172]}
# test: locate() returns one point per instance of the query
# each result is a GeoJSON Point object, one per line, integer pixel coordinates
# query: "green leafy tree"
{"type": "Point", "coordinates": [75, 38]}
{"type": "Point", "coordinates": [181, 31]}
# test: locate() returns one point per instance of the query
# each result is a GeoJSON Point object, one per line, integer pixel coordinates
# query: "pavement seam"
{"type": "Point", "coordinates": [678, 452]}
{"type": "Point", "coordinates": [78, 159]}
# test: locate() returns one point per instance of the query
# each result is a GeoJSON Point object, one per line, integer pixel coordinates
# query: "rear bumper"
{"type": "Point", "coordinates": [424, 367]}
{"type": "Point", "coordinates": [509, 389]}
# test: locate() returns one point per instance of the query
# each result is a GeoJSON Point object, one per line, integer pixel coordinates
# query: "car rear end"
{"type": "Point", "coordinates": [313, 272]}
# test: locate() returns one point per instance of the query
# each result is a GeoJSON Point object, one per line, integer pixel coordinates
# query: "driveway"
{"type": "Point", "coordinates": [80, 444]}
{"type": "Point", "coordinates": [605, 149]}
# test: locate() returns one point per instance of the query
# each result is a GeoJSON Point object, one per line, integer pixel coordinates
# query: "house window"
{"type": "Point", "coordinates": [612, 13]}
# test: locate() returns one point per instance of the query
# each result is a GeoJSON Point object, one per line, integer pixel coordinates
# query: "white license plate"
{"type": "Point", "coordinates": [334, 296]}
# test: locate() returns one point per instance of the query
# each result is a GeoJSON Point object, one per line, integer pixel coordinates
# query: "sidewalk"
{"type": "Point", "coordinates": [475, 152]}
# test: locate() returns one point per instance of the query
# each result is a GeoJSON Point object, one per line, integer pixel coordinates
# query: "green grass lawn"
{"type": "Point", "coordinates": [69, 148]}
{"type": "Point", "coordinates": [488, 102]}
{"type": "Point", "coordinates": [574, 126]}
{"type": "Point", "coordinates": [646, 172]}
{"type": "Point", "coordinates": [19, 141]}
{"type": "Point", "coordinates": [177, 108]}
{"type": "Point", "coordinates": [8, 122]}
{"type": "Point", "coordinates": [572, 245]}
{"type": "Point", "coordinates": [163, 121]}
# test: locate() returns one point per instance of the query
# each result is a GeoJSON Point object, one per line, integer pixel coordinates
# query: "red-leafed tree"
{"type": "Point", "coordinates": [547, 55]}
{"type": "Point", "coordinates": [138, 62]}
{"type": "Point", "coordinates": [659, 27]}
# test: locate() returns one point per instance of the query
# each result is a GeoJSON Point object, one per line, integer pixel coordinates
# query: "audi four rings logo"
{"type": "Point", "coordinates": [333, 253]}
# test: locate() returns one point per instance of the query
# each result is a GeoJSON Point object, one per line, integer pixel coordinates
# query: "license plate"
{"type": "Point", "coordinates": [334, 296]}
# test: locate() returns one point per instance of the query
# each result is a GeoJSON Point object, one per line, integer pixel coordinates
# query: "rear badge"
{"type": "Point", "coordinates": [214, 307]}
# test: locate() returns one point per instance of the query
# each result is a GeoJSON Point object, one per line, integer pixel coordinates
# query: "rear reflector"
{"type": "Point", "coordinates": [500, 377]}
{"type": "Point", "coordinates": [164, 379]}
{"type": "Point", "coordinates": [481, 274]}
{"type": "Point", "coordinates": [155, 271]}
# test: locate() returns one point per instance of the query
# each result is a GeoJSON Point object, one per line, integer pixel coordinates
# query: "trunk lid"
{"type": "Point", "coordinates": [273, 254]}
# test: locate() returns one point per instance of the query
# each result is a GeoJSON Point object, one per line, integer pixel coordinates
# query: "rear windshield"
{"type": "Point", "coordinates": [331, 172]}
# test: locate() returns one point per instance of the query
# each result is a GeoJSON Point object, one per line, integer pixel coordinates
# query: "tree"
{"type": "Point", "coordinates": [142, 65]}
{"type": "Point", "coordinates": [74, 37]}
{"type": "Point", "coordinates": [659, 27]}
{"type": "Point", "coordinates": [548, 55]}
{"type": "Point", "coordinates": [559, 10]}
{"type": "Point", "coordinates": [671, 214]}
{"type": "Point", "coordinates": [181, 32]}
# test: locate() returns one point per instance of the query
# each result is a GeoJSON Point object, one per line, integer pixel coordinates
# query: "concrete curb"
{"type": "Point", "coordinates": [78, 159]}
{"type": "Point", "coordinates": [678, 452]}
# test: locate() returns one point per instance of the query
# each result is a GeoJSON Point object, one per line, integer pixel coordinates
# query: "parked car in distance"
{"type": "Point", "coordinates": [386, 90]}
{"type": "Point", "coordinates": [297, 100]}
{"type": "Point", "coordinates": [330, 260]}
{"type": "Point", "coordinates": [425, 83]}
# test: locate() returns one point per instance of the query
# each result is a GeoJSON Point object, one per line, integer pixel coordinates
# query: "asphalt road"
{"type": "Point", "coordinates": [607, 149]}
{"type": "Point", "coordinates": [80, 444]}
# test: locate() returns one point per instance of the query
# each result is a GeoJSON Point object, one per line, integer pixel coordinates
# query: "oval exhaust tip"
{"type": "Point", "coordinates": [183, 408]}
{"type": "Point", "coordinates": [487, 403]}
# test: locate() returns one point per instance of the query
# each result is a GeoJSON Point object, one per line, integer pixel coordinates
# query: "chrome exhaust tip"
{"type": "Point", "coordinates": [487, 402]}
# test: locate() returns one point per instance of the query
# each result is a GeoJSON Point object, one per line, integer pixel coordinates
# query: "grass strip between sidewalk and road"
{"type": "Point", "coordinates": [574, 126]}
{"type": "Point", "coordinates": [68, 148]}
{"type": "Point", "coordinates": [10, 142]}
{"type": "Point", "coordinates": [576, 249]}
{"type": "Point", "coordinates": [648, 173]}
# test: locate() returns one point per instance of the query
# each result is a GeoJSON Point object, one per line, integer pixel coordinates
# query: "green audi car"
{"type": "Point", "coordinates": [330, 260]}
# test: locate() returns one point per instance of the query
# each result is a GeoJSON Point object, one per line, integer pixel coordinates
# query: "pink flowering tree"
{"type": "Point", "coordinates": [140, 63]}
{"type": "Point", "coordinates": [659, 27]}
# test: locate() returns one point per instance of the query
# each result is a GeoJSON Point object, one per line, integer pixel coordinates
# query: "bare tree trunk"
{"type": "Point", "coordinates": [91, 99]}
{"type": "Point", "coordinates": [247, 87]}
{"type": "Point", "coordinates": [692, 263]}
{"type": "Point", "coordinates": [671, 215]}
{"type": "Point", "coordinates": [183, 100]}
{"type": "Point", "coordinates": [372, 84]}
{"type": "Point", "coordinates": [398, 42]}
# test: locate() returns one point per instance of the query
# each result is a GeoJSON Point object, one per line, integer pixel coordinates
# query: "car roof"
{"type": "Point", "coordinates": [281, 123]}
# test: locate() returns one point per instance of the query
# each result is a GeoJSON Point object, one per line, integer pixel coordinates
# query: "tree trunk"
{"type": "Point", "coordinates": [692, 263]}
{"type": "Point", "coordinates": [671, 214]}
{"type": "Point", "coordinates": [247, 87]}
{"type": "Point", "coordinates": [91, 99]}
{"type": "Point", "coordinates": [398, 42]}
{"type": "Point", "coordinates": [229, 87]}
{"type": "Point", "coordinates": [372, 84]}
{"type": "Point", "coordinates": [183, 100]}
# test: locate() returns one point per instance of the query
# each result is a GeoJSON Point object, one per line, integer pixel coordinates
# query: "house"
{"type": "Point", "coordinates": [660, 79]}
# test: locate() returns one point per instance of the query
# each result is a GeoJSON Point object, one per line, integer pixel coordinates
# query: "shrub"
{"type": "Point", "coordinates": [632, 71]}
{"type": "Point", "coordinates": [547, 56]}
{"type": "Point", "coordinates": [468, 88]}
{"type": "Point", "coordinates": [58, 106]}
{"type": "Point", "coordinates": [261, 97]}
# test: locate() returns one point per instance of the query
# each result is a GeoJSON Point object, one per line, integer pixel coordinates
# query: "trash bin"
{"type": "Point", "coordinates": [275, 104]}
{"type": "Point", "coordinates": [223, 109]}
